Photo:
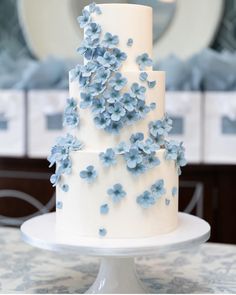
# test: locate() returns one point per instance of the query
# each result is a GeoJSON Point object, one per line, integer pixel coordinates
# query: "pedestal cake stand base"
{"type": "Point", "coordinates": [117, 272]}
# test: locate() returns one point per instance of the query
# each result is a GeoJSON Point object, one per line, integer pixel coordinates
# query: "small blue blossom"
{"type": "Point", "coordinates": [144, 61]}
{"type": "Point", "coordinates": [138, 169]}
{"type": "Point", "coordinates": [112, 96]}
{"type": "Point", "coordinates": [86, 100]}
{"type": "Point", "coordinates": [118, 81]}
{"type": "Point", "coordinates": [151, 84]}
{"type": "Point", "coordinates": [55, 178]}
{"type": "Point", "coordinates": [152, 160]}
{"type": "Point", "coordinates": [153, 105]}
{"type": "Point", "coordinates": [136, 137]}
{"type": "Point", "coordinates": [59, 205]}
{"type": "Point", "coordinates": [131, 117]}
{"type": "Point", "coordinates": [102, 121]}
{"type": "Point", "coordinates": [71, 104]}
{"type": "Point", "coordinates": [93, 31]}
{"type": "Point", "coordinates": [84, 19]}
{"type": "Point", "coordinates": [174, 191]}
{"type": "Point", "coordinates": [65, 166]}
{"type": "Point", "coordinates": [146, 200]}
{"type": "Point", "coordinates": [143, 76]}
{"type": "Point", "coordinates": [107, 60]}
{"type": "Point", "coordinates": [138, 91]}
{"type": "Point", "coordinates": [129, 102]}
{"type": "Point", "coordinates": [114, 127]}
{"type": "Point", "coordinates": [120, 56]}
{"type": "Point", "coordinates": [122, 148]}
{"type": "Point", "coordinates": [65, 188]}
{"type": "Point", "coordinates": [98, 106]}
{"type": "Point", "coordinates": [102, 232]}
{"type": "Point", "coordinates": [94, 8]}
{"type": "Point", "coordinates": [117, 112]}
{"type": "Point", "coordinates": [108, 158]}
{"type": "Point", "coordinates": [158, 189]}
{"type": "Point", "coordinates": [130, 42]}
{"type": "Point", "coordinates": [89, 174]}
{"type": "Point", "coordinates": [96, 88]}
{"type": "Point", "coordinates": [172, 150]}
{"type": "Point", "coordinates": [116, 193]}
{"type": "Point", "coordinates": [104, 209]}
{"type": "Point", "coordinates": [110, 41]}
{"type": "Point", "coordinates": [167, 202]}
{"type": "Point", "coordinates": [133, 158]}
{"type": "Point", "coordinates": [102, 75]}
{"type": "Point", "coordinates": [148, 147]}
{"type": "Point", "coordinates": [160, 127]}
{"type": "Point", "coordinates": [142, 109]}
{"type": "Point", "coordinates": [71, 117]}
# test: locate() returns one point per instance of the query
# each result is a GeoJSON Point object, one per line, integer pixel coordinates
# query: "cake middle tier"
{"type": "Point", "coordinates": [98, 139]}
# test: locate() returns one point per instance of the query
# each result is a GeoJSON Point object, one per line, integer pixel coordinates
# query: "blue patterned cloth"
{"type": "Point", "coordinates": [24, 269]}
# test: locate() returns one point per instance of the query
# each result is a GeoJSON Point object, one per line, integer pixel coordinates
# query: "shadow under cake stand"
{"type": "Point", "coordinates": [117, 272]}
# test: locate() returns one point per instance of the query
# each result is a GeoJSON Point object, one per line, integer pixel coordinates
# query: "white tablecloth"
{"type": "Point", "coordinates": [211, 268]}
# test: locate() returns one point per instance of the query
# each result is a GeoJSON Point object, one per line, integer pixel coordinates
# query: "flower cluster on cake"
{"type": "Point", "coordinates": [116, 171]}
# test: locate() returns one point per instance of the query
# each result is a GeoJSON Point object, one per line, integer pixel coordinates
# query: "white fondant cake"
{"type": "Point", "coordinates": [117, 174]}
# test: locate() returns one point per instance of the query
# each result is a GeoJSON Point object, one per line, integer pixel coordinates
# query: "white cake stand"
{"type": "Point", "coordinates": [117, 270]}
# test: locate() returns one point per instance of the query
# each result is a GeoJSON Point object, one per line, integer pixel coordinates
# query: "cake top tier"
{"type": "Point", "coordinates": [128, 22]}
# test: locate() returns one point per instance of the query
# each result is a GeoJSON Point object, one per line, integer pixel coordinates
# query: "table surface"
{"type": "Point", "coordinates": [209, 268]}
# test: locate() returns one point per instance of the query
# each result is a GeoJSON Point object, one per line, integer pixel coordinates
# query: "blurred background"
{"type": "Point", "coordinates": [194, 42]}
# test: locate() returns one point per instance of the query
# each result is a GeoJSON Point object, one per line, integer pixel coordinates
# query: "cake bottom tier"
{"type": "Point", "coordinates": [80, 213]}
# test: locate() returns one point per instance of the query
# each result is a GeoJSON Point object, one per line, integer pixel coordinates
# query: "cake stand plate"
{"type": "Point", "coordinates": [117, 272]}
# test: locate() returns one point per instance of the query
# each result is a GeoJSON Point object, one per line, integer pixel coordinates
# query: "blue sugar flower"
{"type": "Point", "coordinates": [59, 205]}
{"type": "Point", "coordinates": [93, 31]}
{"type": "Point", "coordinates": [160, 127]}
{"type": "Point", "coordinates": [129, 102]}
{"type": "Point", "coordinates": [71, 119]}
{"type": "Point", "coordinates": [143, 76]}
{"type": "Point", "coordinates": [112, 95]}
{"type": "Point", "coordinates": [102, 75]}
{"type": "Point", "coordinates": [117, 112]}
{"type": "Point", "coordinates": [120, 56]}
{"type": "Point", "coordinates": [151, 84]}
{"type": "Point", "coordinates": [65, 188]}
{"type": "Point", "coordinates": [98, 106]}
{"type": "Point", "coordinates": [148, 147]}
{"type": "Point", "coordinates": [146, 200]}
{"type": "Point", "coordinates": [142, 109]}
{"type": "Point", "coordinates": [65, 166]}
{"type": "Point", "coordinates": [171, 150]}
{"type": "Point", "coordinates": [133, 158]}
{"type": "Point", "coordinates": [130, 42]}
{"type": "Point", "coordinates": [88, 69]}
{"type": "Point", "coordinates": [114, 127]}
{"type": "Point", "coordinates": [86, 100]}
{"type": "Point", "coordinates": [167, 202]}
{"type": "Point", "coordinates": [116, 193]}
{"type": "Point", "coordinates": [122, 148]}
{"type": "Point", "coordinates": [55, 178]}
{"type": "Point", "coordinates": [71, 104]}
{"type": "Point", "coordinates": [136, 137]}
{"type": "Point", "coordinates": [102, 121]}
{"type": "Point", "coordinates": [94, 8]}
{"type": "Point", "coordinates": [138, 91]}
{"type": "Point", "coordinates": [116, 66]}
{"type": "Point", "coordinates": [174, 191]}
{"type": "Point", "coordinates": [108, 158]}
{"type": "Point", "coordinates": [84, 19]}
{"type": "Point", "coordinates": [152, 160]}
{"type": "Point", "coordinates": [158, 189]}
{"type": "Point", "coordinates": [131, 117]}
{"type": "Point", "coordinates": [144, 61]}
{"type": "Point", "coordinates": [104, 209]}
{"type": "Point", "coordinates": [96, 88]}
{"type": "Point", "coordinates": [110, 41]}
{"type": "Point", "coordinates": [107, 60]}
{"type": "Point", "coordinates": [118, 81]}
{"type": "Point", "coordinates": [102, 232]}
{"type": "Point", "coordinates": [153, 105]}
{"type": "Point", "coordinates": [89, 174]}
{"type": "Point", "coordinates": [138, 169]}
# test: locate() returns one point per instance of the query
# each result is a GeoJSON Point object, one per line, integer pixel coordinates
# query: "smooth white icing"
{"type": "Point", "coordinates": [81, 216]}
{"type": "Point", "coordinates": [97, 139]}
{"type": "Point", "coordinates": [128, 21]}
